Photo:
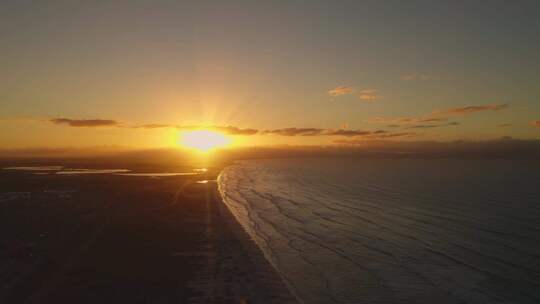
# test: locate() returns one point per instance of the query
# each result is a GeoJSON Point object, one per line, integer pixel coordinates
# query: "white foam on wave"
{"type": "Point", "coordinates": [393, 231]}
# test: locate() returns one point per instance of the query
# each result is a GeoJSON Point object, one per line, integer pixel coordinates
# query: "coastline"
{"type": "Point", "coordinates": [107, 238]}
{"type": "Point", "coordinates": [239, 268]}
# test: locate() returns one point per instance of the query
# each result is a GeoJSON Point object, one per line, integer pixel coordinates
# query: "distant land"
{"type": "Point", "coordinates": [505, 148]}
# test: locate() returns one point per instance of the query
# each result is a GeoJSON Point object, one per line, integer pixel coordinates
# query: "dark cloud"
{"type": "Point", "coordinates": [422, 126]}
{"type": "Point", "coordinates": [433, 119]}
{"type": "Point", "coordinates": [452, 123]}
{"type": "Point", "coordinates": [321, 132]}
{"type": "Point", "coordinates": [85, 122]}
{"type": "Point", "coordinates": [235, 130]}
{"type": "Point", "coordinates": [295, 131]}
{"type": "Point", "coordinates": [113, 123]}
{"type": "Point", "coordinates": [153, 126]}
{"type": "Point", "coordinates": [224, 129]}
{"type": "Point", "coordinates": [373, 136]}
{"type": "Point", "coordinates": [402, 134]}
{"type": "Point", "coordinates": [343, 132]}
{"type": "Point", "coordinates": [429, 120]}
{"type": "Point", "coordinates": [471, 109]}
{"type": "Point", "coordinates": [400, 121]}
{"type": "Point", "coordinates": [231, 130]}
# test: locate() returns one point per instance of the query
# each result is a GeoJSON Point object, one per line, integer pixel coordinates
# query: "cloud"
{"type": "Point", "coordinates": [152, 126]}
{"type": "Point", "coordinates": [363, 94]}
{"type": "Point", "coordinates": [417, 76]}
{"type": "Point", "coordinates": [231, 130]}
{"type": "Point", "coordinates": [341, 90]}
{"type": "Point", "coordinates": [295, 131]}
{"type": "Point", "coordinates": [343, 132]}
{"type": "Point", "coordinates": [234, 130]}
{"type": "Point", "coordinates": [402, 134]}
{"type": "Point", "coordinates": [369, 95]}
{"type": "Point", "coordinates": [322, 132]}
{"type": "Point", "coordinates": [224, 129]}
{"type": "Point", "coordinates": [373, 136]}
{"type": "Point", "coordinates": [470, 109]}
{"type": "Point", "coordinates": [85, 122]}
{"type": "Point", "coordinates": [114, 123]}
{"type": "Point", "coordinates": [536, 123]}
{"type": "Point", "coordinates": [429, 126]}
{"type": "Point", "coordinates": [399, 121]}
{"type": "Point", "coordinates": [434, 117]}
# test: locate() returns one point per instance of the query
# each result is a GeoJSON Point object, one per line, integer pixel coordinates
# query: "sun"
{"type": "Point", "coordinates": [203, 140]}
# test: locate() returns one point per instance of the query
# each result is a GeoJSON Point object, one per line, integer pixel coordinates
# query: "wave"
{"type": "Point", "coordinates": [393, 231]}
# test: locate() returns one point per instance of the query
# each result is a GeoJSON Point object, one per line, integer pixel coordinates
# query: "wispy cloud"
{"type": "Point", "coordinates": [363, 94]}
{"type": "Point", "coordinates": [295, 131]}
{"type": "Point", "coordinates": [417, 76]}
{"type": "Point", "coordinates": [399, 121]}
{"type": "Point", "coordinates": [362, 140]}
{"type": "Point", "coordinates": [321, 132]}
{"type": "Point", "coordinates": [152, 126]}
{"type": "Point", "coordinates": [341, 90]}
{"type": "Point", "coordinates": [435, 118]}
{"type": "Point", "coordinates": [470, 109]}
{"type": "Point", "coordinates": [114, 123]}
{"type": "Point", "coordinates": [85, 122]}
{"type": "Point", "coordinates": [402, 134]}
{"type": "Point", "coordinates": [369, 95]}
{"type": "Point", "coordinates": [235, 130]}
{"type": "Point", "coordinates": [430, 126]}
{"type": "Point", "coordinates": [232, 130]}
{"type": "Point", "coordinates": [348, 133]}
{"type": "Point", "coordinates": [224, 129]}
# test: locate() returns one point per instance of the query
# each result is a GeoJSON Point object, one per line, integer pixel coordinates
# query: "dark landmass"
{"type": "Point", "coordinates": [502, 148]}
{"type": "Point", "coordinates": [102, 238]}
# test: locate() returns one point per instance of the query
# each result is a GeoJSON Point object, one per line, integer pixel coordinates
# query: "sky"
{"type": "Point", "coordinates": [136, 73]}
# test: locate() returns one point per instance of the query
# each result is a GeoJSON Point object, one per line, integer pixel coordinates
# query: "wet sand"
{"type": "Point", "coordinates": [126, 239]}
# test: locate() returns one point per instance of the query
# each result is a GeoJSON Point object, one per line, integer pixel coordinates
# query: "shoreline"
{"type": "Point", "coordinates": [268, 286]}
{"type": "Point", "coordinates": [118, 239]}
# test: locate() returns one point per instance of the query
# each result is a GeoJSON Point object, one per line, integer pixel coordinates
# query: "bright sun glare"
{"type": "Point", "coordinates": [203, 140]}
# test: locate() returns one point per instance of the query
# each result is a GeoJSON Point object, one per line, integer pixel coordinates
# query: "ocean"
{"type": "Point", "coordinates": [394, 230]}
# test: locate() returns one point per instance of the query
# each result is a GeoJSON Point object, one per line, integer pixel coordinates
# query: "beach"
{"type": "Point", "coordinates": [105, 238]}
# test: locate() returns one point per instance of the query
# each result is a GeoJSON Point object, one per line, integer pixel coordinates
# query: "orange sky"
{"type": "Point", "coordinates": [81, 75]}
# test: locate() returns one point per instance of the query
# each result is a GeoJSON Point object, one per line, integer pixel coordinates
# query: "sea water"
{"type": "Point", "coordinates": [394, 230]}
